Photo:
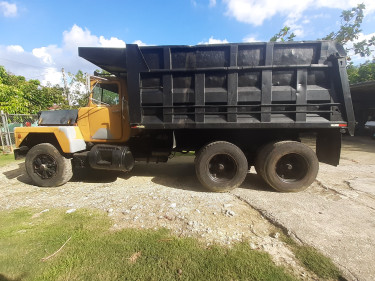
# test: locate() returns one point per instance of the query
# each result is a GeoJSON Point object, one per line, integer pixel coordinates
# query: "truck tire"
{"type": "Point", "coordinates": [260, 158]}
{"type": "Point", "coordinates": [288, 166]}
{"type": "Point", "coordinates": [221, 166]}
{"type": "Point", "coordinates": [47, 167]}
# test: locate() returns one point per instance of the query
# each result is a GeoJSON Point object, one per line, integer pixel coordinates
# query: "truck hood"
{"type": "Point", "coordinates": [58, 117]}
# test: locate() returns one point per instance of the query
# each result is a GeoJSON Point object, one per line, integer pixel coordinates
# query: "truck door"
{"type": "Point", "coordinates": [105, 119]}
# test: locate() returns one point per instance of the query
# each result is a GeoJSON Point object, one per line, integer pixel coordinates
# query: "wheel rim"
{"type": "Point", "coordinates": [45, 166]}
{"type": "Point", "coordinates": [222, 168]}
{"type": "Point", "coordinates": [291, 167]}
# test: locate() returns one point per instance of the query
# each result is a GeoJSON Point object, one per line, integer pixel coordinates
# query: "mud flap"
{"type": "Point", "coordinates": [328, 146]}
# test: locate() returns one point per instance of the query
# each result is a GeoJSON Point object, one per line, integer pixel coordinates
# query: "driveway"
{"type": "Point", "coordinates": [336, 214]}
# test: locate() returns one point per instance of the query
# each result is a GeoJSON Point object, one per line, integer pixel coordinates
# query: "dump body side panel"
{"type": "Point", "coordinates": [259, 85]}
{"type": "Point", "coordinates": [268, 88]}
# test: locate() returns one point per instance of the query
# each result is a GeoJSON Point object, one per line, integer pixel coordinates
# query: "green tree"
{"type": "Point", "coordinates": [11, 97]}
{"type": "Point", "coordinates": [20, 96]}
{"type": "Point", "coordinates": [54, 95]}
{"type": "Point", "coordinates": [284, 34]}
{"type": "Point", "coordinates": [11, 100]}
{"type": "Point", "coordinates": [349, 31]}
{"type": "Point", "coordinates": [347, 35]}
{"type": "Point", "coordinates": [78, 91]}
{"type": "Point", "coordinates": [362, 73]}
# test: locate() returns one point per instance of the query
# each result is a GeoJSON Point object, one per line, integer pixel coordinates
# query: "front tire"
{"type": "Point", "coordinates": [221, 166]}
{"type": "Point", "coordinates": [47, 167]}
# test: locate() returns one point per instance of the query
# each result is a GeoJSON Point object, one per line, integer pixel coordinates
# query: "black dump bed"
{"type": "Point", "coordinates": [255, 85]}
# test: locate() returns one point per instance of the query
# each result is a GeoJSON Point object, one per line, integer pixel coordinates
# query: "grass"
{"type": "Point", "coordinates": [313, 260]}
{"type": "Point", "coordinates": [96, 253]}
{"type": "Point", "coordinates": [5, 159]}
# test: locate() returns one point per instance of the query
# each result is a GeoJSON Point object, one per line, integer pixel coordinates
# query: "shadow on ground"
{"type": "Point", "coordinates": [94, 176]}
{"type": "Point", "coordinates": [179, 173]}
{"type": "Point", "coordinates": [19, 173]}
{"type": "Point", "coordinates": [89, 176]}
{"type": "Point", "coordinates": [4, 278]}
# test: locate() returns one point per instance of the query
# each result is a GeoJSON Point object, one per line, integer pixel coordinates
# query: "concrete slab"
{"type": "Point", "coordinates": [336, 215]}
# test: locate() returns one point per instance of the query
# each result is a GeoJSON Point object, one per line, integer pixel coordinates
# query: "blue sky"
{"type": "Point", "coordinates": [39, 37]}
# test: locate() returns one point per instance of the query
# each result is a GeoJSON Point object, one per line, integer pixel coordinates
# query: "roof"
{"type": "Point", "coordinates": [363, 86]}
{"type": "Point", "coordinates": [363, 91]}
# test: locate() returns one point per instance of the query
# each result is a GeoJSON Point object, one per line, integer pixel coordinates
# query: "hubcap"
{"type": "Point", "coordinates": [222, 168]}
{"type": "Point", "coordinates": [45, 166]}
{"type": "Point", "coordinates": [291, 167]}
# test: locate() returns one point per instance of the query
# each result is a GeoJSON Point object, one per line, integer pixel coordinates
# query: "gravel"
{"type": "Point", "coordinates": [336, 214]}
{"type": "Point", "coordinates": [154, 196]}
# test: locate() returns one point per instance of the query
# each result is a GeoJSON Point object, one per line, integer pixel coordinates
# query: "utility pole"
{"type": "Point", "coordinates": [87, 83]}
{"type": "Point", "coordinates": [66, 90]}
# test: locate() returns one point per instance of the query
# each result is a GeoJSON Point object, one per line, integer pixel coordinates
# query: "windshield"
{"type": "Point", "coordinates": [105, 94]}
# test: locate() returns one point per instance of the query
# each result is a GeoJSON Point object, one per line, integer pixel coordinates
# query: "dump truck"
{"type": "Point", "coordinates": [233, 105]}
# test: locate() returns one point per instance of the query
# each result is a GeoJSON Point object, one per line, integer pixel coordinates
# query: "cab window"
{"type": "Point", "coordinates": [105, 94]}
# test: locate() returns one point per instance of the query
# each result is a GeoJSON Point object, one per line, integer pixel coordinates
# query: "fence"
{"type": "Point", "coordinates": [7, 124]}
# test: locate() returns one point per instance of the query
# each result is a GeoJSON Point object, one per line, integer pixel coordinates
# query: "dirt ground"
{"type": "Point", "coordinates": [335, 215]}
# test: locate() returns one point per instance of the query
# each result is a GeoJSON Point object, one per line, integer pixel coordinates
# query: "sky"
{"type": "Point", "coordinates": [40, 37]}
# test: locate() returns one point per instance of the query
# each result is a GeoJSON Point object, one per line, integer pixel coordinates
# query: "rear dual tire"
{"type": "Point", "coordinates": [287, 166]}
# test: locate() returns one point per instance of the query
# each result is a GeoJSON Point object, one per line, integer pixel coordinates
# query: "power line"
{"type": "Point", "coordinates": [29, 65]}
{"type": "Point", "coordinates": [41, 67]}
{"type": "Point", "coordinates": [34, 77]}
{"type": "Point", "coordinates": [34, 66]}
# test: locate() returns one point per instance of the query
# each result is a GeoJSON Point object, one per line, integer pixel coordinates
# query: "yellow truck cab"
{"type": "Point", "coordinates": [63, 133]}
{"type": "Point", "coordinates": [105, 119]}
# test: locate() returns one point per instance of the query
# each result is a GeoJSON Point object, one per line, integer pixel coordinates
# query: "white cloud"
{"type": "Point", "coordinates": [212, 3]}
{"type": "Point", "coordinates": [77, 37]}
{"type": "Point", "coordinates": [52, 75]}
{"type": "Point", "coordinates": [112, 42]}
{"type": "Point", "coordinates": [250, 39]}
{"type": "Point", "coordinates": [45, 63]}
{"type": "Point", "coordinates": [139, 43]}
{"type": "Point", "coordinates": [296, 28]}
{"type": "Point", "coordinates": [7, 9]}
{"type": "Point", "coordinates": [212, 40]}
{"type": "Point", "coordinates": [346, 4]}
{"type": "Point", "coordinates": [306, 21]}
{"type": "Point", "coordinates": [43, 54]}
{"type": "Point", "coordinates": [256, 12]}
{"type": "Point", "coordinates": [15, 49]}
